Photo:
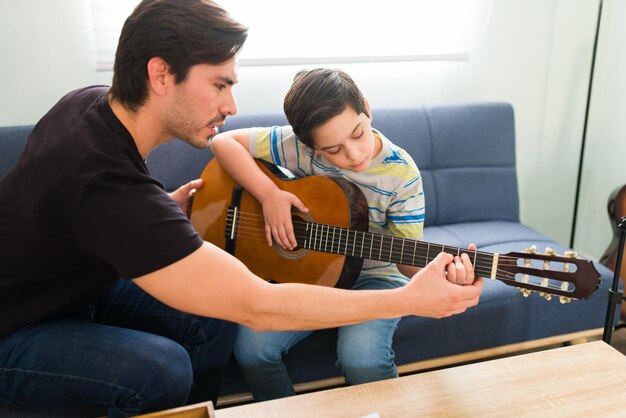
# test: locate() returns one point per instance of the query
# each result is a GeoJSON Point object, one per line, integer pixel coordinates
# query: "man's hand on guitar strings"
{"type": "Point", "coordinates": [434, 296]}
{"type": "Point", "coordinates": [461, 271]}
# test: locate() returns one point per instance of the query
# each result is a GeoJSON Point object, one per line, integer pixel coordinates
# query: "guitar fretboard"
{"type": "Point", "coordinates": [381, 247]}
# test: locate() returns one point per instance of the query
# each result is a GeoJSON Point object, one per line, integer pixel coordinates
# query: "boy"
{"type": "Point", "coordinates": [331, 135]}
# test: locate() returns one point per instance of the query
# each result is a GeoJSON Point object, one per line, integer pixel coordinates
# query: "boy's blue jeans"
{"type": "Point", "coordinates": [124, 355]}
{"type": "Point", "coordinates": [364, 352]}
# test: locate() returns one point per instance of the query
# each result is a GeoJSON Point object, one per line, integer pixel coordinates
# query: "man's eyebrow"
{"type": "Point", "coordinates": [228, 80]}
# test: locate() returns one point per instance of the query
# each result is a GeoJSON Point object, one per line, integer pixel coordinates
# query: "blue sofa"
{"type": "Point", "coordinates": [466, 154]}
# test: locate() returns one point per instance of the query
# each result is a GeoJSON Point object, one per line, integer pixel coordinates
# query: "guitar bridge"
{"type": "Point", "coordinates": [232, 220]}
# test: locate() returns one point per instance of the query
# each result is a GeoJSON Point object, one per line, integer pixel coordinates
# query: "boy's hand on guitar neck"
{"type": "Point", "coordinates": [277, 215]}
{"type": "Point", "coordinates": [437, 296]}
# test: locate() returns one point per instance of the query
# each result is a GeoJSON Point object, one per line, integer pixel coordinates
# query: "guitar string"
{"type": "Point", "coordinates": [388, 250]}
{"type": "Point", "coordinates": [386, 237]}
{"type": "Point", "coordinates": [250, 216]}
{"type": "Point", "coordinates": [503, 274]}
{"type": "Point", "coordinates": [253, 216]}
{"type": "Point", "coordinates": [483, 269]}
{"type": "Point", "coordinates": [257, 230]}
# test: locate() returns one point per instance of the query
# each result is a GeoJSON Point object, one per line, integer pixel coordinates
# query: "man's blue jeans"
{"type": "Point", "coordinates": [364, 352]}
{"type": "Point", "coordinates": [124, 355]}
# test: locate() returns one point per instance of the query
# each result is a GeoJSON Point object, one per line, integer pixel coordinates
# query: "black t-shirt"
{"type": "Point", "coordinates": [79, 211]}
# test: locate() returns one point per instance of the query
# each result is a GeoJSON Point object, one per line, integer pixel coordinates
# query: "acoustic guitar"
{"type": "Point", "coordinates": [617, 210]}
{"type": "Point", "coordinates": [333, 239]}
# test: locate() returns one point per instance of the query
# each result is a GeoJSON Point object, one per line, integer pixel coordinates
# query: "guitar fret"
{"type": "Point", "coordinates": [316, 235]}
{"type": "Point", "coordinates": [306, 241]}
{"type": "Point", "coordinates": [414, 250]}
{"type": "Point", "coordinates": [402, 251]}
{"type": "Point", "coordinates": [354, 245]}
{"type": "Point", "coordinates": [332, 242]}
{"type": "Point", "coordinates": [326, 239]}
{"type": "Point", "coordinates": [362, 242]}
{"type": "Point", "coordinates": [380, 249]}
{"type": "Point", "coordinates": [427, 253]}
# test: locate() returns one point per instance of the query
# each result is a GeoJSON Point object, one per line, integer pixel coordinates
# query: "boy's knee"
{"type": "Point", "coordinates": [253, 351]}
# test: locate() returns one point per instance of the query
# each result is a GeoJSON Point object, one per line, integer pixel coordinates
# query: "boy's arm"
{"type": "Point", "coordinates": [231, 149]}
{"type": "Point", "coordinates": [210, 282]}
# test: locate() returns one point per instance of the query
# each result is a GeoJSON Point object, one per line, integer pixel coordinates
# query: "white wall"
{"type": "Point", "coordinates": [534, 54]}
{"type": "Point", "coordinates": [604, 167]}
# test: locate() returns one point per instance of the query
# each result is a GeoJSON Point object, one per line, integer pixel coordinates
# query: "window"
{"type": "Point", "coordinates": [324, 31]}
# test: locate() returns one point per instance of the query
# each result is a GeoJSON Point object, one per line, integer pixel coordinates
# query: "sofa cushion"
{"type": "Point", "coordinates": [12, 143]}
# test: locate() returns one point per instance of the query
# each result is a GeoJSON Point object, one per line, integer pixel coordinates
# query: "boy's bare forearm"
{"type": "Point", "coordinates": [240, 165]}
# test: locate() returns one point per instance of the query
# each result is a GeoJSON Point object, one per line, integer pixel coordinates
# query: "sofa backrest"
{"type": "Point", "coordinates": [12, 143]}
{"type": "Point", "coordinates": [465, 153]}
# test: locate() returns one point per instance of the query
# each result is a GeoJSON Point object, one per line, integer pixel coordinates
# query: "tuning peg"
{"type": "Point", "coordinates": [546, 266]}
{"type": "Point", "coordinates": [547, 296]}
{"type": "Point", "coordinates": [531, 250]}
{"type": "Point", "coordinates": [549, 251]}
{"type": "Point", "coordinates": [527, 264]}
{"type": "Point", "coordinates": [564, 299]}
{"type": "Point", "coordinates": [566, 267]}
{"type": "Point", "coordinates": [525, 292]}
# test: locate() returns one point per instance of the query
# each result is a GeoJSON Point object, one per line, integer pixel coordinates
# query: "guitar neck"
{"type": "Point", "coordinates": [387, 248]}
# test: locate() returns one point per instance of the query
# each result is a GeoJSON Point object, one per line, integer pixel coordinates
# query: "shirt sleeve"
{"type": "Point", "coordinates": [133, 226]}
{"type": "Point", "coordinates": [406, 212]}
{"type": "Point", "coordinates": [279, 145]}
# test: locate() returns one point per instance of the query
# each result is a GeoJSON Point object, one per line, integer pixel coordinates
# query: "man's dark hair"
{"type": "Point", "coordinates": [181, 32]}
{"type": "Point", "coordinates": [318, 95]}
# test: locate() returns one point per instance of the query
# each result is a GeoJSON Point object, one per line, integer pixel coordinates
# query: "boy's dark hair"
{"type": "Point", "coordinates": [182, 32]}
{"type": "Point", "coordinates": [318, 95]}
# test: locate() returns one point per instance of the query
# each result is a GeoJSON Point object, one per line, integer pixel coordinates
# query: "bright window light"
{"type": "Point", "coordinates": [324, 31]}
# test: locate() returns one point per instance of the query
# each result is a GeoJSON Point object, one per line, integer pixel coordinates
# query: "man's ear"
{"type": "Point", "coordinates": [158, 75]}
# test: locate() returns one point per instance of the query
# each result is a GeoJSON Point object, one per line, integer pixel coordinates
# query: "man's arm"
{"type": "Point", "coordinates": [210, 282]}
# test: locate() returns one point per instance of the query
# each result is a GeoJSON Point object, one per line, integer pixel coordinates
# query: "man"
{"type": "Point", "coordinates": [80, 211]}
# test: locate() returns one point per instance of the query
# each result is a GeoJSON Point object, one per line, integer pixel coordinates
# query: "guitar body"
{"type": "Point", "coordinates": [329, 201]}
{"type": "Point", "coordinates": [617, 210]}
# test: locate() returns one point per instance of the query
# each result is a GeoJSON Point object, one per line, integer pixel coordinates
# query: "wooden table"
{"type": "Point", "coordinates": [586, 380]}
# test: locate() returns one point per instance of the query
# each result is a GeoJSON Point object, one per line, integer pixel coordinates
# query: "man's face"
{"type": "Point", "coordinates": [347, 141]}
{"type": "Point", "coordinates": [202, 102]}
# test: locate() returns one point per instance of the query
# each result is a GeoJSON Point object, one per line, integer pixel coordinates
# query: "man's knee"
{"type": "Point", "coordinates": [162, 378]}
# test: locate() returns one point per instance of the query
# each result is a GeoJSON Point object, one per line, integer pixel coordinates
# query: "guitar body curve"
{"type": "Point", "coordinates": [329, 201]}
{"type": "Point", "coordinates": [617, 209]}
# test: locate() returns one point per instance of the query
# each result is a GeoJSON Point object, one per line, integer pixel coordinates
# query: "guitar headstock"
{"type": "Point", "coordinates": [549, 274]}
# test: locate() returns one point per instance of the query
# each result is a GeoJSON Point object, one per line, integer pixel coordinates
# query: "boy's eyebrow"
{"type": "Point", "coordinates": [333, 146]}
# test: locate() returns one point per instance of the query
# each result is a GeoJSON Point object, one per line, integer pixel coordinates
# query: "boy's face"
{"type": "Point", "coordinates": [347, 141]}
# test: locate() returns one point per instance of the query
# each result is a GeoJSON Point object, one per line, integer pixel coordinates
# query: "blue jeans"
{"type": "Point", "coordinates": [364, 352]}
{"type": "Point", "coordinates": [124, 355]}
